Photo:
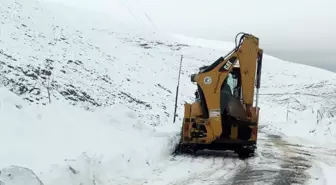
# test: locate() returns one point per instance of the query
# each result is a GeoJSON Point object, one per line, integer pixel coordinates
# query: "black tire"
{"type": "Point", "coordinates": [244, 153]}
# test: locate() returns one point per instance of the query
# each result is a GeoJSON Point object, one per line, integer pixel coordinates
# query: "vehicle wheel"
{"type": "Point", "coordinates": [244, 153]}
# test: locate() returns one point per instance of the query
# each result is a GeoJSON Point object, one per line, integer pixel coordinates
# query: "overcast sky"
{"type": "Point", "coordinates": [301, 31]}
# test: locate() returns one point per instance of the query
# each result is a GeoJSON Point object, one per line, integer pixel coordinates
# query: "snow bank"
{"type": "Point", "coordinates": [69, 139]}
{"type": "Point", "coordinates": [62, 144]}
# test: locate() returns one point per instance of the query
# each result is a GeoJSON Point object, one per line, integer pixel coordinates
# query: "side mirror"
{"type": "Point", "coordinates": [192, 78]}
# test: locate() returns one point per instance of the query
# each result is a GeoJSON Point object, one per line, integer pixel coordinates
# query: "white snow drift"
{"type": "Point", "coordinates": [86, 100]}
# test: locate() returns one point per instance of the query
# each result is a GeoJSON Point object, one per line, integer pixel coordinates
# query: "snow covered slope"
{"type": "Point", "coordinates": [77, 85]}
{"type": "Point", "coordinates": [45, 58]}
{"type": "Point", "coordinates": [63, 144]}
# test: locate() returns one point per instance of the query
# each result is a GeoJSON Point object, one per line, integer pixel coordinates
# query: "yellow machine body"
{"type": "Point", "coordinates": [224, 116]}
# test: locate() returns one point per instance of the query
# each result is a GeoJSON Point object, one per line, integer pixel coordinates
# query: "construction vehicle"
{"type": "Point", "coordinates": [223, 116]}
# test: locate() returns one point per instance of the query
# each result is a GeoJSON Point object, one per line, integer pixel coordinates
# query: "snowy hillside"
{"type": "Point", "coordinates": [48, 56]}
{"type": "Point", "coordinates": [81, 95]}
{"type": "Point", "coordinates": [44, 59]}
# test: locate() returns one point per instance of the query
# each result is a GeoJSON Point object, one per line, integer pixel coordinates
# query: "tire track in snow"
{"type": "Point", "coordinates": [262, 168]}
{"type": "Point", "coordinates": [276, 162]}
{"type": "Point", "coordinates": [295, 163]}
{"type": "Point", "coordinates": [288, 165]}
{"type": "Point", "coordinates": [319, 156]}
{"type": "Point", "coordinates": [209, 175]}
{"type": "Point", "coordinates": [232, 169]}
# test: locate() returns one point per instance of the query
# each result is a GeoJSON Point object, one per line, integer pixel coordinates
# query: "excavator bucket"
{"type": "Point", "coordinates": [225, 113]}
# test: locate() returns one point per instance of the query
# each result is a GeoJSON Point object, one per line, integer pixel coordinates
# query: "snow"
{"type": "Point", "coordinates": [67, 145]}
{"type": "Point", "coordinates": [208, 20]}
{"type": "Point", "coordinates": [74, 146]}
{"type": "Point", "coordinates": [41, 137]}
{"type": "Point", "coordinates": [83, 100]}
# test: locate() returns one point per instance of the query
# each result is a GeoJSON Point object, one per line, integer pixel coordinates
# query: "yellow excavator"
{"type": "Point", "coordinates": [224, 115]}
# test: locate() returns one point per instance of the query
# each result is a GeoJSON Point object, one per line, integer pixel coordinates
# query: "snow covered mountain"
{"type": "Point", "coordinates": [100, 95]}
{"type": "Point", "coordinates": [44, 59]}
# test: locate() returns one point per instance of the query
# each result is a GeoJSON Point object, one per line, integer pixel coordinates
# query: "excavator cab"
{"type": "Point", "coordinates": [224, 115]}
